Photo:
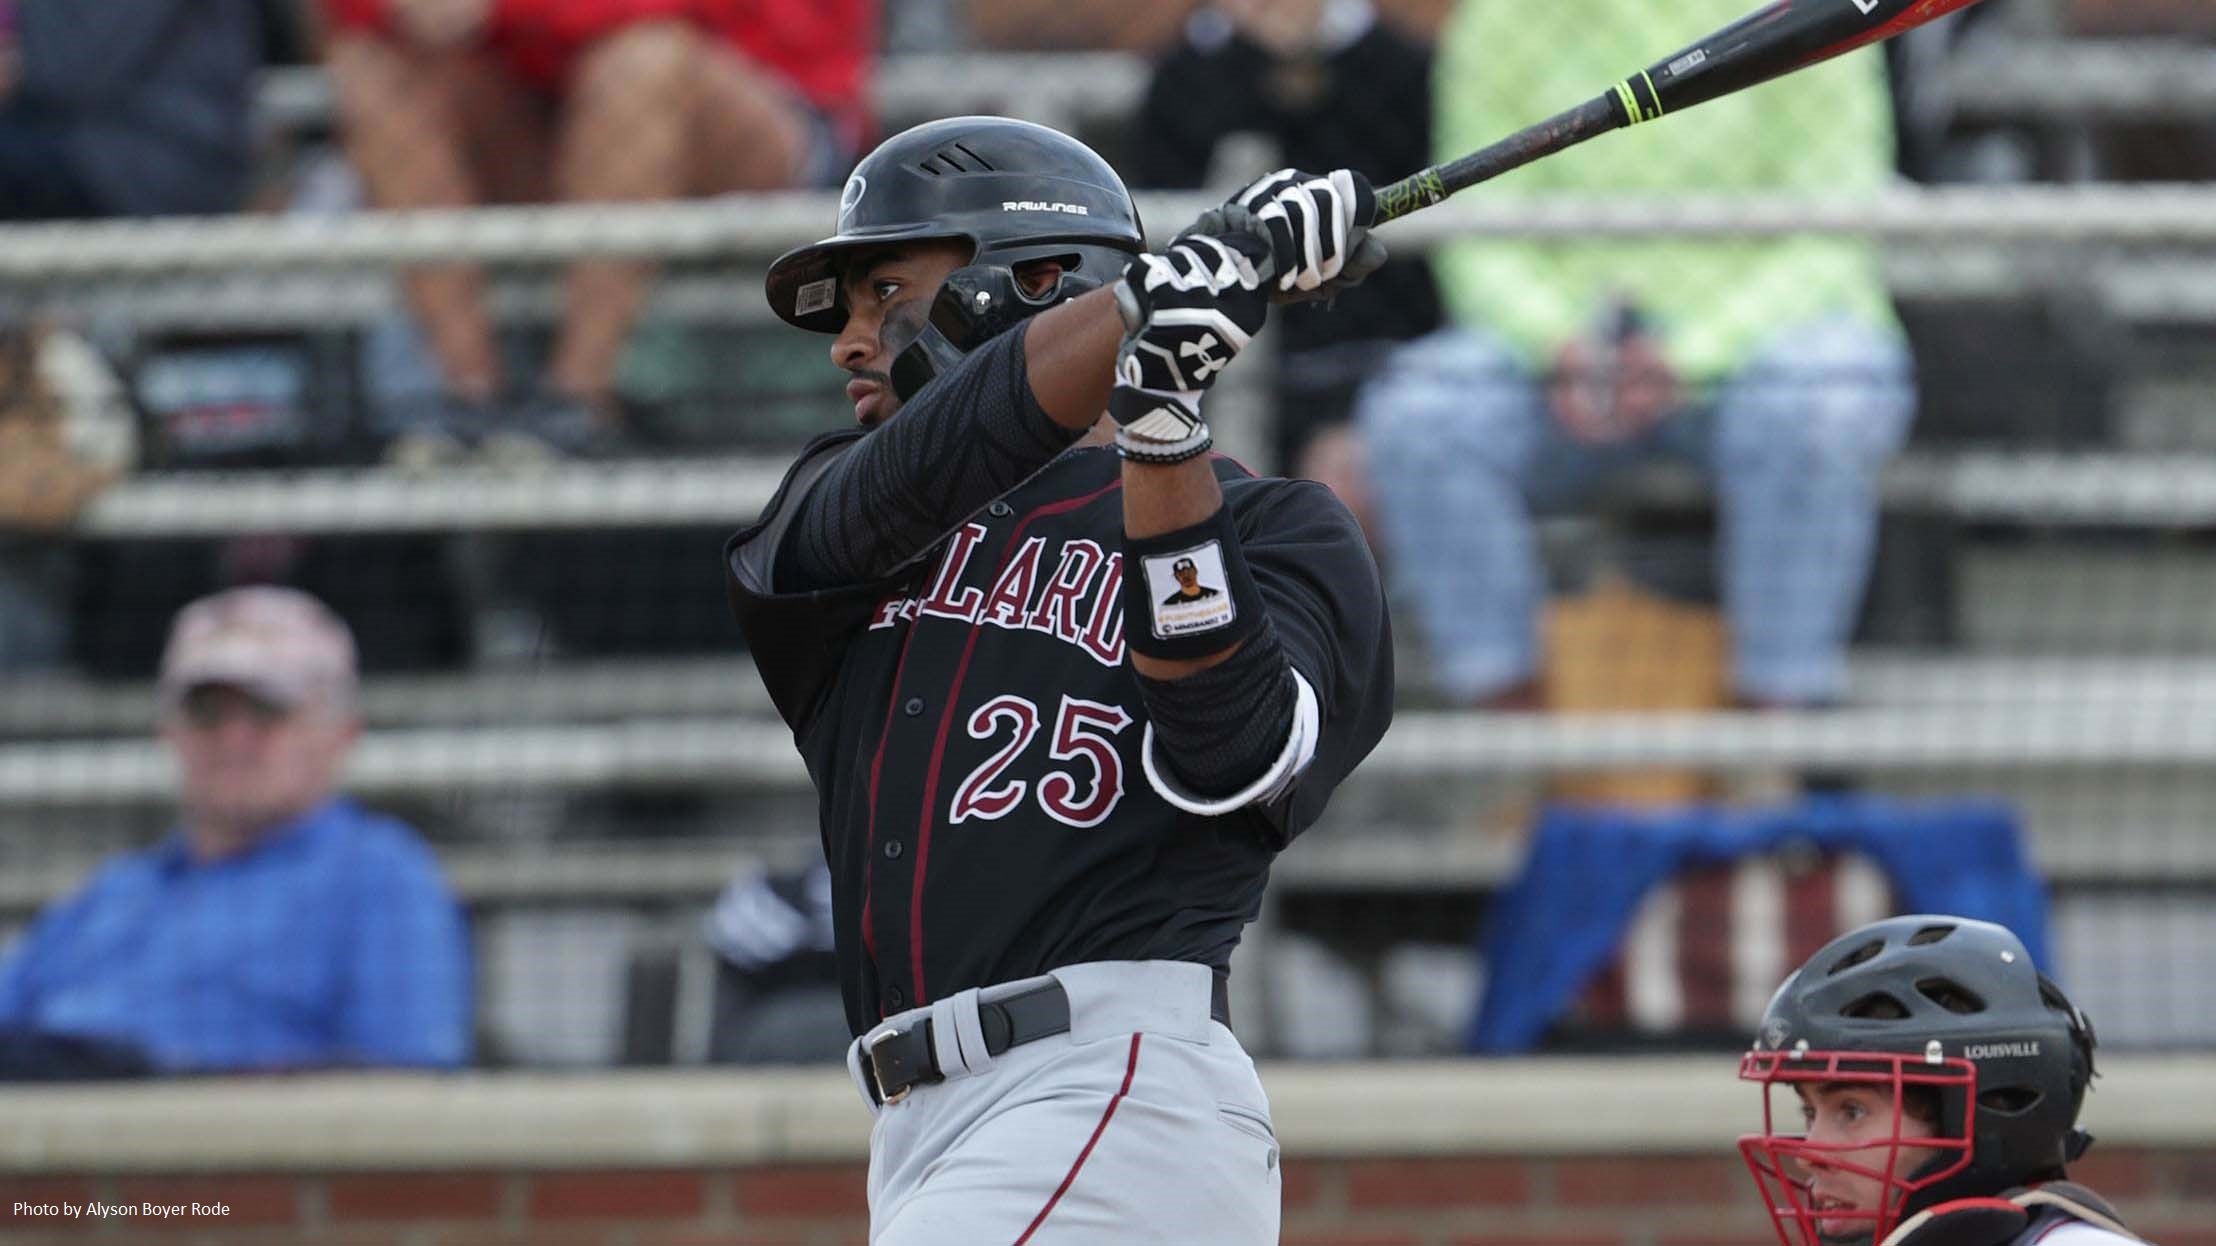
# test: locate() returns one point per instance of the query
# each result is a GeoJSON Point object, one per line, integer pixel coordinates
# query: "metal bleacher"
{"type": "Point", "coordinates": [1916, 722]}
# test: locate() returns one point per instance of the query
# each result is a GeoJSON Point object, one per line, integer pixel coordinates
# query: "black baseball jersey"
{"type": "Point", "coordinates": [975, 732]}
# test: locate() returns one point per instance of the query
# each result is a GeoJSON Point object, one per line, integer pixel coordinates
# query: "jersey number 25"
{"type": "Point", "coordinates": [1083, 729]}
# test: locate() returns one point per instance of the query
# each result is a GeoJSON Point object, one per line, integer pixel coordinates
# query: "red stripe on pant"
{"type": "Point", "coordinates": [1128, 1069]}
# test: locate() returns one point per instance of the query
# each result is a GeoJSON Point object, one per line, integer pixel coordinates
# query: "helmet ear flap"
{"type": "Point", "coordinates": [2082, 1038]}
{"type": "Point", "coordinates": [973, 305]}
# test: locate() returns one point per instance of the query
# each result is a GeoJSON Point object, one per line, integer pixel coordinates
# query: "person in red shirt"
{"type": "Point", "coordinates": [451, 103]}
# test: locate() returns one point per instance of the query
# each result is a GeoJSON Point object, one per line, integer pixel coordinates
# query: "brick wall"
{"type": "Point", "coordinates": [2170, 1195]}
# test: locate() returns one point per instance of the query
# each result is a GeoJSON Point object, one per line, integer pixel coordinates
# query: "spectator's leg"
{"type": "Point", "coordinates": [658, 111]}
{"type": "Point", "coordinates": [624, 138]}
{"type": "Point", "coordinates": [414, 122]}
{"type": "Point", "coordinates": [1452, 426]}
{"type": "Point", "coordinates": [1800, 439]}
{"type": "Point", "coordinates": [750, 130]}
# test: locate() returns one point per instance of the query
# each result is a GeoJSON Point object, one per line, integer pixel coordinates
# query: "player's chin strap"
{"type": "Point", "coordinates": [1991, 1221]}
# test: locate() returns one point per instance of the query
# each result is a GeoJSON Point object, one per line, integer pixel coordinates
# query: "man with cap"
{"type": "Point", "coordinates": [1189, 587]}
{"type": "Point", "coordinates": [278, 925]}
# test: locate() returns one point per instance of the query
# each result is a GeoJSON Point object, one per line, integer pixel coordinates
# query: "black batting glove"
{"type": "Point", "coordinates": [1318, 228]}
{"type": "Point", "coordinates": [1187, 312]}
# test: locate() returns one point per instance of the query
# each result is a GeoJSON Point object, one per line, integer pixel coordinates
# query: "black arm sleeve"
{"type": "Point", "coordinates": [1327, 624]}
{"type": "Point", "coordinates": [1327, 607]}
{"type": "Point", "coordinates": [1219, 728]}
{"type": "Point", "coordinates": [969, 436]}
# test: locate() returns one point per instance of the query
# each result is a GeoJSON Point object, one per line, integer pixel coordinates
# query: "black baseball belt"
{"type": "Point", "coordinates": [898, 1061]}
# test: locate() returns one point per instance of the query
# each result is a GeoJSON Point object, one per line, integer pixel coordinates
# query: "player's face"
{"type": "Point", "coordinates": [1857, 1119]}
{"type": "Point", "coordinates": [888, 293]}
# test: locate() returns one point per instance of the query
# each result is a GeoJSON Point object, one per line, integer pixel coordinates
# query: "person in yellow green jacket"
{"type": "Point", "coordinates": [1775, 364]}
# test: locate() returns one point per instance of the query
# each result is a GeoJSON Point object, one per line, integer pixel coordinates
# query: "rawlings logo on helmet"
{"type": "Point", "coordinates": [1035, 205]}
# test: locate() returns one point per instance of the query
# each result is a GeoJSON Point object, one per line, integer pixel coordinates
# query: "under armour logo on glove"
{"type": "Point", "coordinates": [1317, 228]}
{"type": "Point", "coordinates": [1187, 313]}
{"type": "Point", "coordinates": [1200, 357]}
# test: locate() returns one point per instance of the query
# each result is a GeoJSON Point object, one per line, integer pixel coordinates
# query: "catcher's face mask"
{"type": "Point", "coordinates": [1862, 1154]}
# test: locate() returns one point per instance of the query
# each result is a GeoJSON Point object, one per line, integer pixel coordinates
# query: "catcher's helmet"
{"type": "Point", "coordinates": [1941, 1002]}
{"type": "Point", "coordinates": [1013, 190]}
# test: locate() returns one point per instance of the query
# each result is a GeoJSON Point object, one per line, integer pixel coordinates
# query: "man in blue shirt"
{"type": "Point", "coordinates": [278, 926]}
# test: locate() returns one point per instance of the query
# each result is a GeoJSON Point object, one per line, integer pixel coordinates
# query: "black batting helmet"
{"type": "Point", "coordinates": [1013, 190]}
{"type": "Point", "coordinates": [1946, 1003]}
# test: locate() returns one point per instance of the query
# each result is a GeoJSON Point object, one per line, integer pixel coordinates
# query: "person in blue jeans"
{"type": "Point", "coordinates": [1465, 447]}
{"type": "Point", "coordinates": [279, 926]}
{"type": "Point", "coordinates": [1775, 365]}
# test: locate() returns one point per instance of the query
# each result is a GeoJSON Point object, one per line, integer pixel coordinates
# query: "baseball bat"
{"type": "Point", "coordinates": [1775, 39]}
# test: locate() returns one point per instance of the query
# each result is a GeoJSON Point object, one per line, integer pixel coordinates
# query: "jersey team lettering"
{"type": "Point", "coordinates": [1080, 601]}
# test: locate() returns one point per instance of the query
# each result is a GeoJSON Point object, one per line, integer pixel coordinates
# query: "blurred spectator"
{"type": "Point", "coordinates": [278, 926]}
{"type": "Point", "coordinates": [1148, 26]}
{"type": "Point", "coordinates": [136, 108]}
{"type": "Point", "coordinates": [1333, 87]}
{"type": "Point", "coordinates": [1933, 143]}
{"type": "Point", "coordinates": [106, 110]}
{"type": "Point", "coordinates": [65, 434]}
{"type": "Point", "coordinates": [1038, 25]}
{"type": "Point", "coordinates": [2175, 150]}
{"type": "Point", "coordinates": [451, 103]}
{"type": "Point", "coordinates": [1775, 366]}
{"type": "Point", "coordinates": [777, 988]}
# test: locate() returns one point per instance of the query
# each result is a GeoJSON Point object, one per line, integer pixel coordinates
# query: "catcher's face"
{"type": "Point", "coordinates": [1859, 1154]}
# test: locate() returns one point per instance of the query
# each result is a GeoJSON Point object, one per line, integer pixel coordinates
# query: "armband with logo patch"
{"type": "Point", "coordinates": [1188, 593]}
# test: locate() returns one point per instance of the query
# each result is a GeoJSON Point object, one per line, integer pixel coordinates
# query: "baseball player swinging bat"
{"type": "Point", "coordinates": [1775, 39]}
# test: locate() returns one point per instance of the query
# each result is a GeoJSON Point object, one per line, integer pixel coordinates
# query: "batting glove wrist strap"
{"type": "Point", "coordinates": [1155, 427]}
{"type": "Point", "coordinates": [1188, 593]}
